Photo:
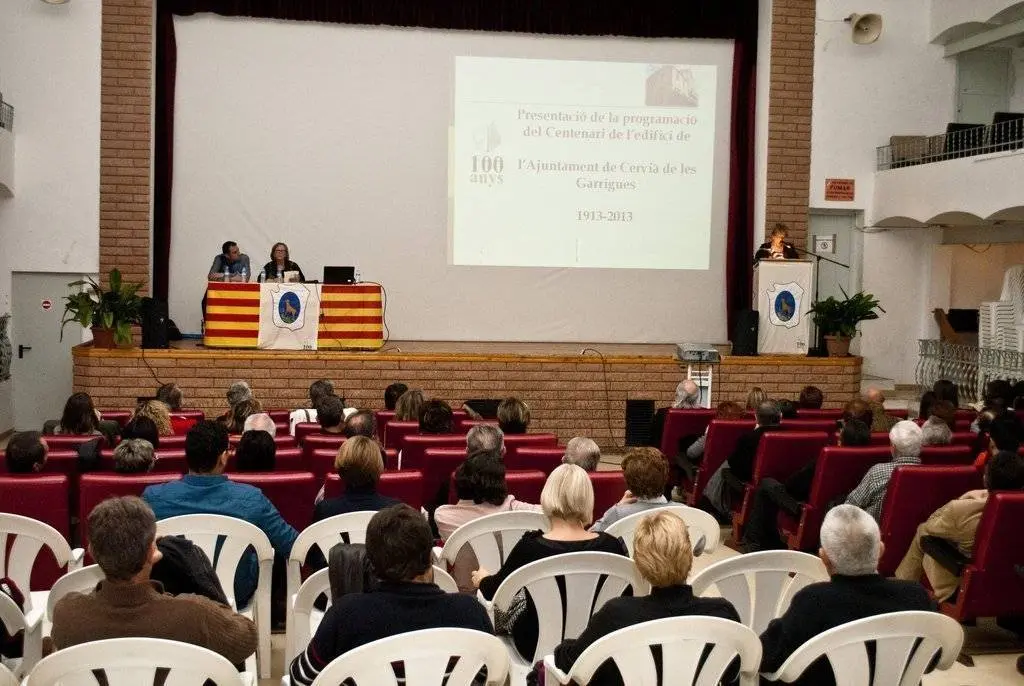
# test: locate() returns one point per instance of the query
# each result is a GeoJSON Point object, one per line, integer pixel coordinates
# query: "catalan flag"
{"type": "Point", "coordinates": [232, 315]}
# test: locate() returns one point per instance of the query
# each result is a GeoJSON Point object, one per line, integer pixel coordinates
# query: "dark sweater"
{"type": "Point", "coordinates": [741, 461]}
{"type": "Point", "coordinates": [530, 548]}
{"type": "Point", "coordinates": [395, 608]}
{"type": "Point", "coordinates": [619, 613]}
{"type": "Point", "coordinates": [828, 604]}
{"type": "Point", "coordinates": [352, 500]}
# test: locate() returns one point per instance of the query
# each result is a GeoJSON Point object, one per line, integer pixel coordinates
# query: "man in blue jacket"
{"type": "Point", "coordinates": [205, 490]}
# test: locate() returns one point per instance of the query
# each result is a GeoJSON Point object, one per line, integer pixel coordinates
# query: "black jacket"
{"type": "Point", "coordinates": [184, 568]}
{"type": "Point", "coordinates": [765, 252]}
{"type": "Point", "coordinates": [826, 605]}
{"type": "Point", "coordinates": [270, 270]}
{"type": "Point", "coordinates": [741, 461]}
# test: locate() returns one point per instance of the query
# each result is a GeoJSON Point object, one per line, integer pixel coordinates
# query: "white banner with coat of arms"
{"type": "Point", "coordinates": [289, 314]}
{"type": "Point", "coordinates": [783, 293]}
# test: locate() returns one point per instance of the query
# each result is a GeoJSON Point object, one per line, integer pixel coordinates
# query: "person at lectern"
{"type": "Point", "coordinates": [231, 265]}
{"type": "Point", "coordinates": [777, 248]}
{"type": "Point", "coordinates": [280, 265]}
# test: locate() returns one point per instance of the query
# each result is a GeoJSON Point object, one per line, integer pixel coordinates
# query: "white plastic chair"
{"type": "Point", "coordinates": [426, 655]}
{"type": "Point", "coordinates": [761, 585]}
{"type": "Point", "coordinates": [682, 641]}
{"type": "Point", "coordinates": [698, 522]}
{"type": "Point", "coordinates": [491, 537]}
{"type": "Point", "coordinates": [582, 572]}
{"type": "Point", "coordinates": [82, 580]}
{"type": "Point", "coordinates": [134, 661]}
{"type": "Point", "coordinates": [205, 530]}
{"type": "Point", "coordinates": [14, 621]}
{"type": "Point", "coordinates": [905, 644]}
{"type": "Point", "coordinates": [7, 677]}
{"type": "Point", "coordinates": [445, 581]}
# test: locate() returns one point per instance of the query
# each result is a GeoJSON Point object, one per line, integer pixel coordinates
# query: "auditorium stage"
{"type": "Point", "coordinates": [569, 393]}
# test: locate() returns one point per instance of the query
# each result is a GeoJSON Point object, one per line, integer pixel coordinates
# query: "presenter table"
{"type": "Point", "coordinates": [293, 316]}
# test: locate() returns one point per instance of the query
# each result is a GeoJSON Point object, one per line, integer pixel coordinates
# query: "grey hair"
{"type": "Point", "coordinates": [134, 456]}
{"type": "Point", "coordinates": [905, 439]}
{"type": "Point", "coordinates": [260, 422]}
{"type": "Point", "coordinates": [485, 437]}
{"type": "Point", "coordinates": [687, 394]}
{"type": "Point", "coordinates": [582, 451]}
{"type": "Point", "coordinates": [238, 392]}
{"type": "Point", "coordinates": [851, 540]}
{"type": "Point", "coordinates": [936, 432]}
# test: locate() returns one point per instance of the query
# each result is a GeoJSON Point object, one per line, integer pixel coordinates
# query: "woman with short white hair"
{"type": "Point", "coordinates": [568, 502]}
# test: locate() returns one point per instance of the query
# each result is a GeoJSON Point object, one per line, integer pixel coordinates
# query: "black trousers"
{"type": "Point", "coordinates": [761, 531]}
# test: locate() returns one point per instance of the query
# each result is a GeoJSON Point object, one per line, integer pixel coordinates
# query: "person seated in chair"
{"type": "Point", "coordinates": [143, 428]}
{"type": "Point", "coordinates": [513, 416]}
{"type": "Point", "coordinates": [330, 413]}
{"type": "Point", "coordinates": [485, 437]}
{"type": "Point", "coordinates": [25, 453]}
{"type": "Point", "coordinates": [230, 260]}
{"type": "Point", "coordinates": [905, 440]}
{"type": "Point", "coordinates": [122, 540]}
{"type": "Point", "coordinates": [740, 464]}
{"type": "Point", "coordinates": [399, 546]}
{"type": "Point", "coordinates": [392, 393]}
{"type": "Point", "coordinates": [409, 405]}
{"type": "Point", "coordinates": [851, 546]}
{"type": "Point", "coordinates": [646, 473]}
{"type": "Point", "coordinates": [663, 555]}
{"type": "Point", "coordinates": [436, 417]}
{"type": "Point", "coordinates": [811, 398]}
{"type": "Point", "coordinates": [583, 452]}
{"type": "Point", "coordinates": [280, 263]}
{"type": "Point", "coordinates": [318, 390]}
{"type": "Point", "coordinates": [256, 451]}
{"type": "Point", "coordinates": [134, 456]}
{"type": "Point", "coordinates": [481, 490]}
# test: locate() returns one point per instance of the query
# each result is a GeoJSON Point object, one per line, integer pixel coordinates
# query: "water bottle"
{"type": "Point", "coordinates": [259, 277]}
{"type": "Point", "coordinates": [280, 275]}
{"type": "Point", "coordinates": [227, 273]}
{"type": "Point", "coordinates": [356, 276]}
{"type": "Point", "coordinates": [245, 274]}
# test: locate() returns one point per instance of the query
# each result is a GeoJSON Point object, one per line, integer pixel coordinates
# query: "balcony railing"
{"type": "Point", "coordinates": [968, 366]}
{"type": "Point", "coordinates": [6, 116]}
{"type": "Point", "coordinates": [960, 140]}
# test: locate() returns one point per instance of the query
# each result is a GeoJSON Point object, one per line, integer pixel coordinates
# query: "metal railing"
{"type": "Point", "coordinates": [968, 366]}
{"type": "Point", "coordinates": [960, 140]}
{"type": "Point", "coordinates": [6, 115]}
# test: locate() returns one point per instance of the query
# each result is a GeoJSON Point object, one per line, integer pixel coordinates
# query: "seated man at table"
{"type": "Point", "coordinates": [232, 260]}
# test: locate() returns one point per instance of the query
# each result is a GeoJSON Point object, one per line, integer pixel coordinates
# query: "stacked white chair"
{"type": "Point", "coordinates": [905, 643]}
{"type": "Point", "coordinates": [591, 580]}
{"type": "Point", "coordinates": [761, 585]}
{"type": "Point", "coordinates": [134, 661]}
{"type": "Point", "coordinates": [425, 655]}
{"type": "Point", "coordinates": [205, 531]}
{"type": "Point", "coordinates": [699, 523]}
{"type": "Point", "coordinates": [82, 580]}
{"type": "Point", "coordinates": [14, 620]}
{"type": "Point", "coordinates": [7, 677]}
{"type": "Point", "coordinates": [683, 641]}
{"type": "Point", "coordinates": [491, 537]}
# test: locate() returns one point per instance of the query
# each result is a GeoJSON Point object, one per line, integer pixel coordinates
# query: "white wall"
{"type": "Point", "coordinates": [763, 86]}
{"type": "Point", "coordinates": [949, 14]}
{"type": "Point", "coordinates": [977, 275]}
{"type": "Point", "coordinates": [50, 72]}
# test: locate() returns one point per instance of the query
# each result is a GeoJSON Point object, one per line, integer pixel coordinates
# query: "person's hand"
{"type": "Point", "coordinates": [627, 498]}
{"type": "Point", "coordinates": [478, 575]}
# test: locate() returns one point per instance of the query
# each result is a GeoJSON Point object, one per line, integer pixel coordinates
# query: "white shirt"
{"type": "Point", "coordinates": [297, 416]}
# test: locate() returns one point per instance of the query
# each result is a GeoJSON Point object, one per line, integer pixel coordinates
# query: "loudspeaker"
{"type": "Point", "coordinates": [867, 28]}
{"type": "Point", "coordinates": [154, 323]}
{"type": "Point", "coordinates": [745, 343]}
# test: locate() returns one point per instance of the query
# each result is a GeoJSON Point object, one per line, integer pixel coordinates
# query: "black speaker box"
{"type": "Point", "coordinates": [745, 343]}
{"type": "Point", "coordinates": [154, 323]}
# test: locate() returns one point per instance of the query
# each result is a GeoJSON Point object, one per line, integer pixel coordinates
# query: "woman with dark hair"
{"type": "Point", "coordinates": [141, 427]}
{"type": "Point", "coordinates": [239, 412]}
{"type": "Point", "coordinates": [79, 417]}
{"type": "Point", "coordinates": [945, 389]}
{"type": "Point", "coordinates": [436, 417]}
{"type": "Point", "coordinates": [481, 490]}
{"type": "Point", "coordinates": [928, 400]}
{"type": "Point", "coordinates": [280, 262]}
{"type": "Point", "coordinates": [256, 452]}
{"type": "Point", "coordinates": [776, 247]}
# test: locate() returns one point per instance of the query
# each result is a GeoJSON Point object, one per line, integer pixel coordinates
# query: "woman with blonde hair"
{"type": "Point", "coordinates": [756, 396]}
{"type": "Point", "coordinates": [159, 413]}
{"type": "Point", "coordinates": [663, 556]}
{"type": "Point", "coordinates": [568, 502]}
{"type": "Point", "coordinates": [409, 404]}
{"type": "Point", "coordinates": [241, 411]}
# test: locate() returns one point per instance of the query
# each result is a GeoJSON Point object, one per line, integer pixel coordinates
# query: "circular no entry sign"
{"type": "Point", "coordinates": [46, 305]}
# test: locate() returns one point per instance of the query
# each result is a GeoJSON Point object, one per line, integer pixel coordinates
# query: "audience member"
{"type": "Point", "coordinates": [787, 408]}
{"type": "Point", "coordinates": [1001, 433]}
{"type": "Point", "coordinates": [359, 464]}
{"type": "Point", "coordinates": [409, 406]}
{"type": "Point", "coordinates": [761, 531]}
{"type": "Point", "coordinates": [582, 452]}
{"type": "Point", "coordinates": [485, 437]}
{"type": "Point", "coordinates": [436, 417]}
{"type": "Point", "coordinates": [695, 451]}
{"type": "Point", "coordinates": [205, 490]}
{"type": "Point", "coordinates": [261, 421]}
{"type": "Point", "coordinates": [880, 420]}
{"type": "Point", "coordinates": [858, 409]}
{"type": "Point", "coordinates": [398, 547]}
{"type": "Point", "coordinates": [481, 490]}
{"type": "Point", "coordinates": [134, 456]}
{"type": "Point", "coordinates": [998, 395]}
{"type": "Point", "coordinates": [392, 393]}
{"type": "Point", "coordinates": [170, 395]}
{"type": "Point", "coordinates": [811, 398]}
{"type": "Point", "coordinates": [126, 603]}
{"type": "Point", "coordinates": [756, 397]}
{"type": "Point", "coordinates": [928, 400]}
{"type": "Point", "coordinates": [646, 473]}
{"type": "Point", "coordinates": [957, 521]}
{"type": "Point", "coordinates": [238, 391]}
{"type": "Point", "coordinates": [318, 390]}
{"type": "Point", "coordinates": [664, 555]}
{"type": "Point", "coordinates": [1018, 396]}
{"type": "Point", "coordinates": [513, 416]}
{"type": "Point", "coordinates": [935, 432]}
{"type": "Point", "coordinates": [687, 395]}
{"type": "Point", "coordinates": [256, 452]}
{"type": "Point", "coordinates": [944, 411]}
{"type": "Point", "coordinates": [79, 417]}
{"type": "Point", "coordinates": [945, 389]}
{"type": "Point", "coordinates": [850, 548]}
{"type": "Point", "coordinates": [361, 423]}
{"type": "Point", "coordinates": [159, 413]}
{"type": "Point", "coordinates": [240, 412]}
{"type": "Point", "coordinates": [741, 461]}
{"type": "Point", "coordinates": [330, 413]}
{"type": "Point", "coordinates": [143, 428]}
{"type": "Point", "coordinates": [25, 453]}
{"type": "Point", "coordinates": [905, 439]}
{"type": "Point", "coordinates": [568, 502]}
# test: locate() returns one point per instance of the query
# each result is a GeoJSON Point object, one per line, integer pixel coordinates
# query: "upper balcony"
{"type": "Point", "coordinates": [956, 21]}
{"type": "Point", "coordinates": [6, 149]}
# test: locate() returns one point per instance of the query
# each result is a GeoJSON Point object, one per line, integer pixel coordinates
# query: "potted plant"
{"type": "Point", "coordinates": [109, 312]}
{"type": "Point", "coordinates": [837, 320]}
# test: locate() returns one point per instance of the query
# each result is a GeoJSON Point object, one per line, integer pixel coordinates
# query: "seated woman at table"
{"type": "Point", "coordinates": [279, 264]}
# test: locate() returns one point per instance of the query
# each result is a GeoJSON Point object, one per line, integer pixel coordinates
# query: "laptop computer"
{"type": "Point", "coordinates": [337, 275]}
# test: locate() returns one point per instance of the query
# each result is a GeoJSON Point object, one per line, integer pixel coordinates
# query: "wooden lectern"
{"type": "Point", "coordinates": [783, 292]}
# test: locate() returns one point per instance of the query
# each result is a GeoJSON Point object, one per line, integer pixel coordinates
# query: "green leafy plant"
{"type": "Point", "coordinates": [835, 317]}
{"type": "Point", "coordinates": [115, 308]}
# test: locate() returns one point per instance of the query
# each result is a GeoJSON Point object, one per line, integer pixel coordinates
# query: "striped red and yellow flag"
{"type": "Point", "coordinates": [351, 317]}
{"type": "Point", "coordinates": [232, 315]}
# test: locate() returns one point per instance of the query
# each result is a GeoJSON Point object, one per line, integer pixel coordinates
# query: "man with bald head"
{"type": "Point", "coordinates": [880, 421]}
{"type": "Point", "coordinates": [687, 395]}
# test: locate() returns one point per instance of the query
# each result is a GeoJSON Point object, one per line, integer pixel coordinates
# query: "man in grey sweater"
{"type": "Point", "coordinates": [646, 472]}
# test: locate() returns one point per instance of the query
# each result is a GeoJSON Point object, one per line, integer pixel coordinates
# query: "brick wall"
{"type": "Point", "coordinates": [568, 395]}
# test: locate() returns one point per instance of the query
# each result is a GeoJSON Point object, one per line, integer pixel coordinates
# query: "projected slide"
{"type": "Point", "coordinates": [558, 163]}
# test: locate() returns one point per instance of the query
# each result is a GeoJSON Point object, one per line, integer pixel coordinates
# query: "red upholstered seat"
{"type": "Point", "coordinates": [406, 485]}
{"type": "Point", "coordinates": [169, 461]}
{"type": "Point", "coordinates": [459, 415]}
{"type": "Point", "coordinates": [914, 493]}
{"type": "Point", "coordinates": [967, 438]}
{"type": "Point", "coordinates": [413, 446]}
{"type": "Point", "coordinates": [292, 493]}
{"type": "Point", "coordinates": [682, 423]}
{"type": "Point", "coordinates": [439, 464]}
{"type": "Point", "coordinates": [819, 414]}
{"type": "Point", "coordinates": [900, 413]}
{"type": "Point", "coordinates": [991, 585]}
{"type": "Point", "coordinates": [543, 459]}
{"type": "Point", "coordinates": [396, 430]}
{"type": "Point", "coordinates": [96, 487]}
{"type": "Point", "coordinates": [779, 455]}
{"type": "Point", "coordinates": [303, 429]}
{"type": "Point", "coordinates": [721, 441]}
{"type": "Point", "coordinates": [119, 416]}
{"type": "Point", "coordinates": [966, 415]}
{"type": "Point", "coordinates": [462, 426]}
{"type": "Point", "coordinates": [280, 416]}
{"type": "Point", "coordinates": [880, 438]}
{"type": "Point", "coordinates": [526, 484]}
{"type": "Point", "coordinates": [608, 490]}
{"type": "Point", "coordinates": [963, 425]}
{"type": "Point", "coordinates": [69, 441]}
{"type": "Point", "coordinates": [382, 417]}
{"type": "Point", "coordinates": [516, 441]}
{"type": "Point", "coordinates": [314, 442]}
{"type": "Point", "coordinates": [57, 462]}
{"type": "Point", "coordinates": [43, 497]}
{"type": "Point", "coordinates": [285, 460]}
{"type": "Point", "coordinates": [281, 440]}
{"type": "Point", "coordinates": [838, 471]}
{"type": "Point", "coordinates": [946, 454]}
{"type": "Point", "coordinates": [801, 424]}
{"type": "Point", "coordinates": [175, 442]}
{"type": "Point", "coordinates": [321, 461]}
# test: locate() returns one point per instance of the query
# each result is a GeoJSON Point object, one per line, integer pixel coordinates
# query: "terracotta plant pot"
{"type": "Point", "coordinates": [102, 338]}
{"type": "Point", "coordinates": [838, 346]}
